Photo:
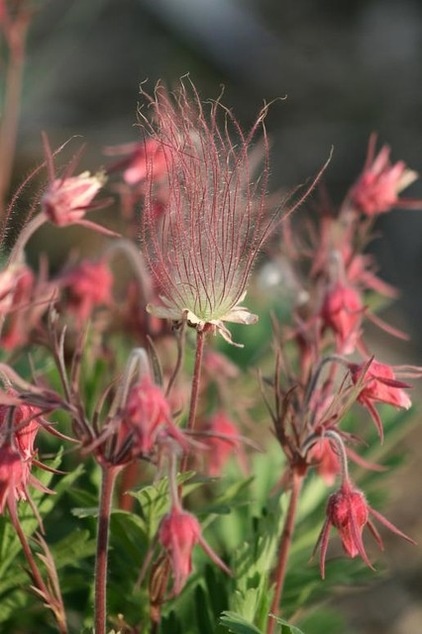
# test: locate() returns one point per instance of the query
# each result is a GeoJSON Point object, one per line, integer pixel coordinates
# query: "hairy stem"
{"type": "Point", "coordinates": [196, 381]}
{"type": "Point", "coordinates": [284, 548]}
{"type": "Point", "coordinates": [108, 478]}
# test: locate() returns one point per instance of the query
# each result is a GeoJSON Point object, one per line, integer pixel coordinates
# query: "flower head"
{"type": "Point", "coordinates": [377, 188]}
{"type": "Point", "coordinates": [342, 311]}
{"type": "Point", "coordinates": [66, 200]}
{"type": "Point", "coordinates": [146, 414]}
{"type": "Point", "coordinates": [349, 512]}
{"type": "Point", "coordinates": [379, 384]}
{"type": "Point", "coordinates": [89, 285]}
{"type": "Point", "coordinates": [222, 442]}
{"type": "Point", "coordinates": [179, 532]}
{"type": "Point", "coordinates": [202, 248]}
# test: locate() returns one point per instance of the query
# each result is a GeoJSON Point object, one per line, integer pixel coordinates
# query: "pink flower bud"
{"type": "Point", "coordinates": [377, 189]}
{"type": "Point", "coordinates": [14, 474]}
{"type": "Point", "coordinates": [89, 285]}
{"type": "Point", "coordinates": [349, 512]}
{"type": "Point", "coordinates": [146, 414]}
{"type": "Point", "coordinates": [178, 533]}
{"type": "Point", "coordinates": [223, 442]}
{"type": "Point", "coordinates": [342, 311]}
{"type": "Point", "coordinates": [379, 384]}
{"type": "Point", "coordinates": [66, 200]}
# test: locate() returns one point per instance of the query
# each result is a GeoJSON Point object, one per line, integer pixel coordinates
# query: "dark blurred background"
{"type": "Point", "coordinates": [347, 68]}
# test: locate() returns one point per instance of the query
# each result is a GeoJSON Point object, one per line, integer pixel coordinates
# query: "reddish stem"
{"type": "Point", "coordinates": [108, 478]}
{"type": "Point", "coordinates": [196, 381]}
{"type": "Point", "coordinates": [284, 548]}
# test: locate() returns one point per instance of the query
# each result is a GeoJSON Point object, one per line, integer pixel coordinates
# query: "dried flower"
{"type": "Point", "coordinates": [348, 511]}
{"type": "Point", "coordinates": [202, 249]}
{"type": "Point", "coordinates": [377, 188]}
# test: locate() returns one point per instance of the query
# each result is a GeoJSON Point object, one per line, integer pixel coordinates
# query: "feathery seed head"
{"type": "Point", "coordinates": [202, 248]}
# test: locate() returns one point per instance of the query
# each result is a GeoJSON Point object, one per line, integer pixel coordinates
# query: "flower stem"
{"type": "Point", "coordinates": [196, 381]}
{"type": "Point", "coordinates": [283, 549]}
{"type": "Point", "coordinates": [108, 478]}
{"type": "Point", "coordinates": [36, 575]}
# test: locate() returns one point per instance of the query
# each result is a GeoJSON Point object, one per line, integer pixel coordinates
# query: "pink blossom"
{"type": "Point", "coordinates": [14, 474]}
{"type": "Point", "coordinates": [178, 533]}
{"type": "Point", "coordinates": [349, 512]}
{"type": "Point", "coordinates": [342, 311]}
{"type": "Point", "coordinates": [379, 384]}
{"type": "Point", "coordinates": [90, 285]}
{"type": "Point", "coordinates": [326, 460]}
{"type": "Point", "coordinates": [146, 158]}
{"type": "Point", "coordinates": [223, 441]}
{"type": "Point", "coordinates": [146, 414]}
{"type": "Point", "coordinates": [377, 188]}
{"type": "Point", "coordinates": [66, 200]}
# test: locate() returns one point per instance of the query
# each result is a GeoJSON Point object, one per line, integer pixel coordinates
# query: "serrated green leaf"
{"type": "Point", "coordinates": [237, 624]}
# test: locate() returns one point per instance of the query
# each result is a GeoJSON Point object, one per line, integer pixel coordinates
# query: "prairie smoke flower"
{"type": "Point", "coordinates": [147, 414]}
{"type": "Point", "coordinates": [178, 533]}
{"type": "Point", "coordinates": [144, 158]}
{"type": "Point", "coordinates": [342, 311]}
{"type": "Point", "coordinates": [326, 459]}
{"type": "Point", "coordinates": [202, 248]}
{"type": "Point", "coordinates": [349, 512]}
{"type": "Point", "coordinates": [66, 200]}
{"type": "Point", "coordinates": [377, 188]}
{"type": "Point", "coordinates": [222, 442]}
{"type": "Point", "coordinates": [89, 285]}
{"type": "Point", "coordinates": [379, 384]}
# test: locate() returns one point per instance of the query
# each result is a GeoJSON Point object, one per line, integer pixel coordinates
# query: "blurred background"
{"type": "Point", "coordinates": [346, 69]}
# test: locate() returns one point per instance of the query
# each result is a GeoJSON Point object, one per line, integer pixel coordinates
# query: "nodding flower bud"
{"type": "Point", "coordinates": [147, 414]}
{"type": "Point", "coordinates": [349, 512]}
{"type": "Point", "coordinates": [178, 533]}
{"type": "Point", "coordinates": [90, 285]}
{"type": "Point", "coordinates": [66, 200]}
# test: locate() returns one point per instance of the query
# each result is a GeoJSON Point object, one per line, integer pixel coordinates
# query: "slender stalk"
{"type": "Point", "coordinates": [108, 478]}
{"type": "Point", "coordinates": [37, 579]}
{"type": "Point", "coordinates": [284, 548]}
{"type": "Point", "coordinates": [196, 381]}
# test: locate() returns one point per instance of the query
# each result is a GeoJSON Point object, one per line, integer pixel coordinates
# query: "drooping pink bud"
{"type": "Point", "coordinates": [146, 414]}
{"type": "Point", "coordinates": [349, 512]}
{"type": "Point", "coordinates": [178, 533]}
{"type": "Point", "coordinates": [223, 441]}
{"type": "Point", "coordinates": [14, 474]}
{"type": "Point", "coordinates": [89, 285]}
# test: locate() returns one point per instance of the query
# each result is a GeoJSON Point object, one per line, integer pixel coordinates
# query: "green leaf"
{"type": "Point", "coordinates": [237, 624]}
{"type": "Point", "coordinates": [286, 628]}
